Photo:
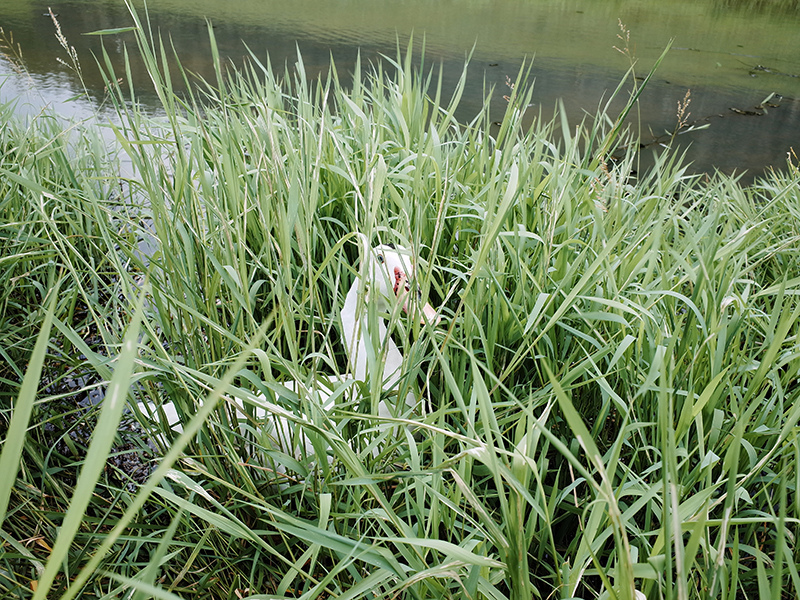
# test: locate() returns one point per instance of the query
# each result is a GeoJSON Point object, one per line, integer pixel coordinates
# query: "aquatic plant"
{"type": "Point", "coordinates": [609, 403]}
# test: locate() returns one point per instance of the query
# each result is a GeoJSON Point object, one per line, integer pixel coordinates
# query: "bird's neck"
{"type": "Point", "coordinates": [351, 330]}
{"type": "Point", "coordinates": [358, 339]}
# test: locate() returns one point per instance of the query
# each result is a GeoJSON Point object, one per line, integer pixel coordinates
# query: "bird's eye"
{"type": "Point", "coordinates": [408, 287]}
{"type": "Point", "coordinates": [380, 258]}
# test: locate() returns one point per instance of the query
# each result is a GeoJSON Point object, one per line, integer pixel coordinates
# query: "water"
{"type": "Point", "coordinates": [731, 54]}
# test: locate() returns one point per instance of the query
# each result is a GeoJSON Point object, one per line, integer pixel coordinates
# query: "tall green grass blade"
{"type": "Point", "coordinates": [13, 445]}
{"type": "Point", "coordinates": [97, 454]}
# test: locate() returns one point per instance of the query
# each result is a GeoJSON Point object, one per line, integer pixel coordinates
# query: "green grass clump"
{"type": "Point", "coordinates": [609, 403]}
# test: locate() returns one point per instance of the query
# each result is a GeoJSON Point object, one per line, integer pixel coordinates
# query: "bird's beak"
{"type": "Point", "coordinates": [401, 289]}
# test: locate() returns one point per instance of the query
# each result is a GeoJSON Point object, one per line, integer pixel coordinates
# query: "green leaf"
{"type": "Point", "coordinates": [18, 428]}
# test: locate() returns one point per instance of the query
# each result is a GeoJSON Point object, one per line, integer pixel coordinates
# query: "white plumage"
{"type": "Point", "coordinates": [386, 278]}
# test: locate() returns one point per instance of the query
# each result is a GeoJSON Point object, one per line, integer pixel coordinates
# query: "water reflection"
{"type": "Point", "coordinates": [782, 7]}
{"type": "Point", "coordinates": [730, 53]}
{"type": "Point", "coordinates": [34, 93]}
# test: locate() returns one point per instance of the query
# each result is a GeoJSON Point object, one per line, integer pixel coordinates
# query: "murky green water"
{"type": "Point", "coordinates": [731, 54]}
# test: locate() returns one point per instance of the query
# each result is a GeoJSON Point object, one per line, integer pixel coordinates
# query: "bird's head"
{"type": "Point", "coordinates": [392, 272]}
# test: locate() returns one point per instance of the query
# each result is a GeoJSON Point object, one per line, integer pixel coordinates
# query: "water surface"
{"type": "Point", "coordinates": [731, 55]}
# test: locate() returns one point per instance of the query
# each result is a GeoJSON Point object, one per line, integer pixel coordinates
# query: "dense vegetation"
{"type": "Point", "coordinates": [609, 403]}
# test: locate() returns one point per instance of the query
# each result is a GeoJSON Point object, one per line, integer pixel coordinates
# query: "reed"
{"type": "Point", "coordinates": [610, 400]}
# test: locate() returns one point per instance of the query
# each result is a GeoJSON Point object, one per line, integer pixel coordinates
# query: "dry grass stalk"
{"type": "Point", "coordinates": [70, 50]}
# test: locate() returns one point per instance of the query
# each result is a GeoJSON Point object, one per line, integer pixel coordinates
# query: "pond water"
{"type": "Point", "coordinates": [730, 54]}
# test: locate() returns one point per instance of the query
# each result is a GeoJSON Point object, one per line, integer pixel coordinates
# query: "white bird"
{"type": "Point", "coordinates": [386, 279]}
{"type": "Point", "coordinates": [390, 273]}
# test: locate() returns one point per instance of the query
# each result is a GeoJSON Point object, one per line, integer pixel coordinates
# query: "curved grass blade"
{"type": "Point", "coordinates": [17, 429]}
